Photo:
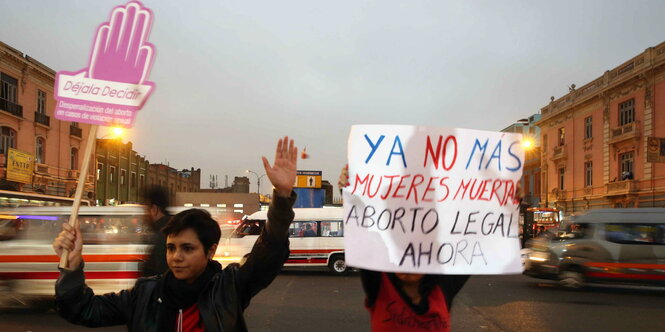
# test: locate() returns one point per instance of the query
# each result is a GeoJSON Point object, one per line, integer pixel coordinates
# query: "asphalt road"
{"type": "Point", "coordinates": [317, 301]}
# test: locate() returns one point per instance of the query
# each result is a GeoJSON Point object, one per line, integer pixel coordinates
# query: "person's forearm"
{"type": "Point", "coordinates": [280, 216]}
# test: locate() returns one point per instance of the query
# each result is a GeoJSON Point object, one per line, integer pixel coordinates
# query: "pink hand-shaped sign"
{"type": "Point", "coordinates": [114, 86]}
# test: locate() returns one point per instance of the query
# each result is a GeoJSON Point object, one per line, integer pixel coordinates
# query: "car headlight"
{"type": "Point", "coordinates": [539, 256]}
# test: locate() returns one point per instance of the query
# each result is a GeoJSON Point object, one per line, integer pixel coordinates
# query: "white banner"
{"type": "Point", "coordinates": [433, 200]}
{"type": "Point", "coordinates": [101, 91]}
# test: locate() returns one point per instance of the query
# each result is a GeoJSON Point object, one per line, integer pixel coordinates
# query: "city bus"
{"type": "Point", "coordinates": [537, 217]}
{"type": "Point", "coordinates": [14, 199]}
{"type": "Point", "coordinates": [315, 236]}
{"type": "Point", "coordinates": [115, 244]}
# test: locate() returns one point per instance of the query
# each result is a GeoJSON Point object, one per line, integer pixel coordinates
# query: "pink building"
{"type": "Point", "coordinates": [595, 139]}
{"type": "Point", "coordinates": [27, 124]}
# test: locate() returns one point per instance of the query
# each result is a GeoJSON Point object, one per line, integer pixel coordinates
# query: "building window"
{"type": "Point", "coordinates": [562, 136]}
{"type": "Point", "coordinates": [141, 181]}
{"type": "Point", "coordinates": [100, 169]}
{"type": "Point", "coordinates": [626, 166]}
{"type": "Point", "coordinates": [7, 139]}
{"type": "Point", "coordinates": [562, 177]}
{"type": "Point", "coordinates": [221, 205]}
{"type": "Point", "coordinates": [544, 142]}
{"type": "Point", "coordinates": [588, 127]}
{"type": "Point", "coordinates": [123, 173]}
{"type": "Point", "coordinates": [74, 124]}
{"type": "Point", "coordinates": [588, 173]}
{"type": "Point", "coordinates": [41, 102]}
{"type": "Point", "coordinates": [40, 156]}
{"type": "Point", "coordinates": [238, 205]}
{"type": "Point", "coordinates": [74, 158]}
{"type": "Point", "coordinates": [132, 180]}
{"type": "Point", "coordinates": [8, 88]}
{"type": "Point", "coordinates": [536, 184]}
{"type": "Point", "coordinates": [627, 112]}
{"type": "Point", "coordinates": [205, 205]}
{"type": "Point", "coordinates": [111, 174]}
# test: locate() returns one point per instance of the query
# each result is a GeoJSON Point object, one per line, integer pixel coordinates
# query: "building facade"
{"type": "Point", "coordinates": [121, 173]}
{"type": "Point", "coordinates": [27, 124]}
{"type": "Point", "coordinates": [595, 139]}
{"type": "Point", "coordinates": [235, 205]}
{"type": "Point", "coordinates": [173, 180]}
{"type": "Point", "coordinates": [531, 175]}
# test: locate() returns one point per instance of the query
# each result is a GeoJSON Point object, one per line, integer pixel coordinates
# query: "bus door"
{"type": "Point", "coordinates": [305, 243]}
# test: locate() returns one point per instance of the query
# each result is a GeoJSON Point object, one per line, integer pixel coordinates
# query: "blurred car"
{"type": "Point", "coordinates": [603, 246]}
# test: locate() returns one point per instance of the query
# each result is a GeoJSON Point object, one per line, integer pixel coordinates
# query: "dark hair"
{"type": "Point", "coordinates": [199, 221]}
{"type": "Point", "coordinates": [158, 196]}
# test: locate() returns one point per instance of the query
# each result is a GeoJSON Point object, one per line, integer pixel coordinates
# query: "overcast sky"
{"type": "Point", "coordinates": [232, 77]}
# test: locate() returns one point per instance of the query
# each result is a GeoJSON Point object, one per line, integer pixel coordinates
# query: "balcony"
{"type": "Point", "coordinates": [624, 133]}
{"type": "Point", "coordinates": [559, 152]}
{"type": "Point", "coordinates": [76, 131]}
{"type": "Point", "coordinates": [622, 187]}
{"type": "Point", "coordinates": [73, 174]}
{"type": "Point", "coordinates": [43, 119]}
{"type": "Point", "coordinates": [557, 195]}
{"type": "Point", "coordinates": [11, 108]}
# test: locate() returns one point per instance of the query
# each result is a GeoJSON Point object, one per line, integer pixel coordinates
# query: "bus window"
{"type": "Point", "coordinates": [303, 229]}
{"type": "Point", "coordinates": [248, 227]}
{"type": "Point", "coordinates": [332, 229]}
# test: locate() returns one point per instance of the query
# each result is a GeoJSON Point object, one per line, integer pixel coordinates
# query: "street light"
{"type": "Point", "coordinates": [258, 180]}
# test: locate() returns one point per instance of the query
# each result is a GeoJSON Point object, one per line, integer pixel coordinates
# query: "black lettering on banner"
{"type": "Point", "coordinates": [352, 214]}
{"type": "Point", "coordinates": [436, 221]}
{"type": "Point", "coordinates": [378, 220]}
{"type": "Point", "coordinates": [482, 225]}
{"type": "Point", "coordinates": [499, 221]}
{"type": "Point", "coordinates": [458, 251]}
{"type": "Point", "coordinates": [422, 253]}
{"type": "Point", "coordinates": [413, 221]}
{"type": "Point", "coordinates": [438, 254]}
{"type": "Point", "coordinates": [410, 251]}
{"type": "Point", "coordinates": [477, 251]}
{"type": "Point", "coordinates": [452, 231]}
{"type": "Point", "coordinates": [510, 224]}
{"type": "Point", "coordinates": [365, 216]}
{"type": "Point", "coordinates": [470, 221]}
{"type": "Point", "coordinates": [399, 213]}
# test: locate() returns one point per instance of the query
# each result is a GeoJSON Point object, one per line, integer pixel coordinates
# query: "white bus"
{"type": "Point", "coordinates": [316, 239]}
{"type": "Point", "coordinates": [14, 199]}
{"type": "Point", "coordinates": [115, 244]}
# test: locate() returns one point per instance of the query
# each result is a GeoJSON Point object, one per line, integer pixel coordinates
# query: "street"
{"type": "Point", "coordinates": [318, 301]}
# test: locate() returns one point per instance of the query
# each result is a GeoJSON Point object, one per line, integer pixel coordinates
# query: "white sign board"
{"type": "Point", "coordinates": [433, 200]}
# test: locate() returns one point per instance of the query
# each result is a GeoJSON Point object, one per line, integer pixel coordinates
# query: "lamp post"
{"type": "Point", "coordinates": [258, 180]}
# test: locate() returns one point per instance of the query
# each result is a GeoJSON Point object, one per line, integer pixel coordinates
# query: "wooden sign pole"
{"type": "Point", "coordinates": [73, 218]}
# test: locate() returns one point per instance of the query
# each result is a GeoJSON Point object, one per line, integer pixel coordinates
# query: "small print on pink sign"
{"type": "Point", "coordinates": [115, 84]}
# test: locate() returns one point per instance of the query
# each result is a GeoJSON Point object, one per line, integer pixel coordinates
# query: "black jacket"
{"type": "Point", "coordinates": [156, 262]}
{"type": "Point", "coordinates": [221, 304]}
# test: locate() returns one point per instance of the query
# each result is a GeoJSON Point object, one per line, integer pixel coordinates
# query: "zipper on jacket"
{"type": "Point", "coordinates": [179, 327]}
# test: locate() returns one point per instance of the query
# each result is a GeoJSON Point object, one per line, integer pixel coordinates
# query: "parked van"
{"type": "Point", "coordinates": [315, 235]}
{"type": "Point", "coordinates": [605, 245]}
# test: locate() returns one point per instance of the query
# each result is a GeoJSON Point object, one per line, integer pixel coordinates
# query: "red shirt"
{"type": "Point", "coordinates": [391, 312]}
{"type": "Point", "coordinates": [189, 320]}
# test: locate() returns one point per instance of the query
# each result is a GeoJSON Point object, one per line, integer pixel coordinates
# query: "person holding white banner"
{"type": "Point", "coordinates": [408, 301]}
{"type": "Point", "coordinates": [196, 294]}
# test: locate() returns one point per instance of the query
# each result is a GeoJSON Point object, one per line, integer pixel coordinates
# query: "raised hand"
{"type": "Point", "coordinates": [121, 52]}
{"type": "Point", "coordinates": [282, 173]}
{"type": "Point", "coordinates": [343, 177]}
{"type": "Point", "coordinates": [70, 238]}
